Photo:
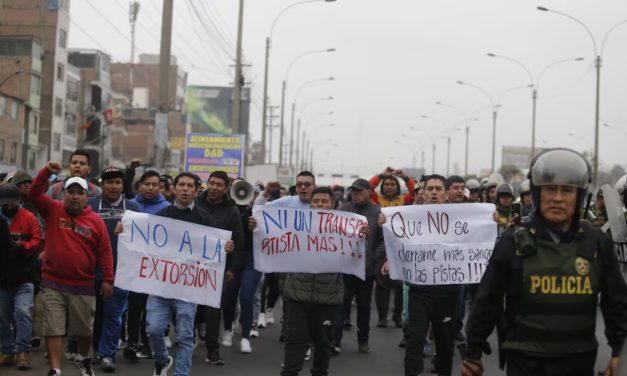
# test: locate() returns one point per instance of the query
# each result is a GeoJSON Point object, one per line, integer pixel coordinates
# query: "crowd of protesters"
{"type": "Point", "coordinates": [58, 249]}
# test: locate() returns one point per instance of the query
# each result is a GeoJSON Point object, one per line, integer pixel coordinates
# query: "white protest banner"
{"type": "Point", "coordinates": [439, 244]}
{"type": "Point", "coordinates": [171, 258]}
{"type": "Point", "coordinates": [296, 240]}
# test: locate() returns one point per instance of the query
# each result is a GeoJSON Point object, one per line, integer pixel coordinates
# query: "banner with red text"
{"type": "Point", "coordinates": [171, 258]}
{"type": "Point", "coordinates": [295, 240]}
{"type": "Point", "coordinates": [439, 244]}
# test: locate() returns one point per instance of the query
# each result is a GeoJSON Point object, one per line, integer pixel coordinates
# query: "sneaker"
{"type": "Point", "coordinates": [6, 359]}
{"type": "Point", "coordinates": [269, 316]}
{"type": "Point", "coordinates": [308, 354]}
{"type": "Point", "coordinates": [70, 355]}
{"type": "Point", "coordinates": [22, 360]}
{"type": "Point", "coordinates": [130, 353]}
{"type": "Point", "coordinates": [214, 358]}
{"type": "Point", "coordinates": [382, 323]}
{"type": "Point", "coordinates": [254, 333]}
{"type": "Point", "coordinates": [84, 366]}
{"type": "Point", "coordinates": [227, 338]}
{"type": "Point", "coordinates": [336, 350]}
{"type": "Point", "coordinates": [144, 352]}
{"type": "Point", "coordinates": [168, 342]}
{"type": "Point", "coordinates": [162, 369]}
{"type": "Point", "coordinates": [108, 365]}
{"type": "Point", "coordinates": [244, 346]}
{"type": "Point", "coordinates": [54, 372]}
{"type": "Point", "coordinates": [364, 348]}
{"type": "Point", "coordinates": [35, 342]}
{"type": "Point", "coordinates": [122, 345]}
{"type": "Point", "coordinates": [261, 322]}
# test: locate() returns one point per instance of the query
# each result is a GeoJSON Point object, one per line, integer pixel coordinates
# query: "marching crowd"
{"type": "Point", "coordinates": [549, 271]}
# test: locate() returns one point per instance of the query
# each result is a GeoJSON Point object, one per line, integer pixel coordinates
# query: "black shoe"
{"type": "Point", "coordinates": [162, 369]}
{"type": "Point", "coordinates": [35, 342]}
{"type": "Point", "coordinates": [84, 366]}
{"type": "Point", "coordinates": [348, 325]}
{"type": "Point", "coordinates": [213, 357]}
{"type": "Point", "coordinates": [144, 352]}
{"type": "Point", "coordinates": [130, 353]}
{"type": "Point", "coordinates": [383, 323]}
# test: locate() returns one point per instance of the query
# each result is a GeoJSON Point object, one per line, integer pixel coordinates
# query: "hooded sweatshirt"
{"type": "Point", "coordinates": [151, 206]}
{"type": "Point", "coordinates": [75, 245]}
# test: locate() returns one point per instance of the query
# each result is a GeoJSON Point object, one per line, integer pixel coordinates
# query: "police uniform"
{"type": "Point", "coordinates": [542, 287]}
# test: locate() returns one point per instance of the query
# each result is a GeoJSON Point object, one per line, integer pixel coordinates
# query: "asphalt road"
{"type": "Point", "coordinates": [385, 358]}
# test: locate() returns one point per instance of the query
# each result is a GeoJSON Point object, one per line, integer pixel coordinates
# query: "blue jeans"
{"type": "Point", "coordinates": [111, 323]}
{"type": "Point", "coordinates": [159, 311]}
{"type": "Point", "coordinates": [246, 285]}
{"type": "Point", "coordinates": [16, 304]}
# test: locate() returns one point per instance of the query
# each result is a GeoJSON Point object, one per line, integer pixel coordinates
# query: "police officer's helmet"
{"type": "Point", "coordinates": [621, 184]}
{"type": "Point", "coordinates": [524, 188]}
{"type": "Point", "coordinates": [560, 166]}
{"type": "Point", "coordinates": [504, 190]}
{"type": "Point", "coordinates": [472, 185]}
{"type": "Point", "coordinates": [495, 179]}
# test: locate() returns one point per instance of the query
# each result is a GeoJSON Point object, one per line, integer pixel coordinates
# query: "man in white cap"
{"type": "Point", "coordinates": [76, 243]}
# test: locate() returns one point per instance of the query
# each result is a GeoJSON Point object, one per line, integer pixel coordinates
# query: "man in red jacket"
{"type": "Point", "coordinates": [76, 242]}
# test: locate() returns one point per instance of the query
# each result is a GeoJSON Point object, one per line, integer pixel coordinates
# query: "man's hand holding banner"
{"type": "Point", "coordinates": [294, 240]}
{"type": "Point", "coordinates": [171, 258]}
{"type": "Point", "coordinates": [439, 244]}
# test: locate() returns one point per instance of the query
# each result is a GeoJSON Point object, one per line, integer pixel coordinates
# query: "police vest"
{"type": "Point", "coordinates": [554, 311]}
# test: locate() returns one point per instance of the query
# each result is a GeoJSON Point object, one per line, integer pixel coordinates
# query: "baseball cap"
{"type": "Point", "coordinates": [111, 172]}
{"type": "Point", "coordinates": [359, 185]}
{"type": "Point", "coordinates": [75, 180]}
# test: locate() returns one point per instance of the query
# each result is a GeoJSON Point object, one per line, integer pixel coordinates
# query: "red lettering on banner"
{"type": "Point", "coordinates": [142, 267]}
{"type": "Point", "coordinates": [285, 243]}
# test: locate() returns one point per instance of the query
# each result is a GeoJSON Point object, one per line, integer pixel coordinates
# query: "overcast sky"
{"type": "Point", "coordinates": [394, 60]}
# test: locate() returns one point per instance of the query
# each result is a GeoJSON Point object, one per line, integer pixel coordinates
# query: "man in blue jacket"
{"type": "Point", "coordinates": [111, 206]}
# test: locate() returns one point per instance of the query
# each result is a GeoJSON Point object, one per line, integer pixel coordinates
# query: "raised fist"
{"type": "Point", "coordinates": [54, 167]}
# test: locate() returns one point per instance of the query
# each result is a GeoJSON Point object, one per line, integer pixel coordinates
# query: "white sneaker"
{"type": "Point", "coordinates": [244, 346]}
{"type": "Point", "coordinates": [254, 333]}
{"type": "Point", "coordinates": [168, 342]}
{"type": "Point", "coordinates": [269, 316]}
{"type": "Point", "coordinates": [227, 338]}
{"type": "Point", "coordinates": [308, 353]}
{"type": "Point", "coordinates": [261, 322]}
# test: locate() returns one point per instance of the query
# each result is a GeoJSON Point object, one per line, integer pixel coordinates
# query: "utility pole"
{"type": "Point", "coordinates": [270, 119]}
{"type": "Point", "coordinates": [237, 85]}
{"type": "Point", "coordinates": [132, 18]}
{"type": "Point", "coordinates": [161, 120]}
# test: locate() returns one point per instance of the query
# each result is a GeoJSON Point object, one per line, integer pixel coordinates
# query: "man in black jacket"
{"type": "Point", "coordinates": [226, 217]}
{"type": "Point", "coordinates": [375, 252]}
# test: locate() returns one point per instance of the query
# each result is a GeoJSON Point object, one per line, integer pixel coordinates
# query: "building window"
{"type": "Point", "coordinates": [2, 150]}
{"type": "Point", "coordinates": [60, 72]}
{"type": "Point", "coordinates": [13, 156]}
{"type": "Point", "coordinates": [3, 106]}
{"type": "Point", "coordinates": [14, 114]}
{"type": "Point", "coordinates": [35, 85]}
{"type": "Point", "coordinates": [35, 126]}
{"type": "Point", "coordinates": [56, 142]}
{"type": "Point", "coordinates": [58, 107]}
{"type": "Point", "coordinates": [62, 38]}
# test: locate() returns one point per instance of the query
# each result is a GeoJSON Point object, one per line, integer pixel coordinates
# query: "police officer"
{"type": "Point", "coordinates": [525, 199]}
{"type": "Point", "coordinates": [543, 281]}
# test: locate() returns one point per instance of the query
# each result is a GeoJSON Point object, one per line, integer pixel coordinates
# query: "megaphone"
{"type": "Point", "coordinates": [242, 192]}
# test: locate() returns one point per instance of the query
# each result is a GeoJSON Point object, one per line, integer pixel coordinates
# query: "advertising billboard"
{"type": "Point", "coordinates": [208, 152]}
{"type": "Point", "coordinates": [209, 109]}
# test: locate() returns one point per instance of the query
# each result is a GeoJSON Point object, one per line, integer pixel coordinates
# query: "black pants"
{"type": "Point", "coordinates": [382, 292]}
{"type": "Point", "coordinates": [440, 311]}
{"type": "Point", "coordinates": [136, 319]}
{"type": "Point", "coordinates": [269, 291]}
{"type": "Point", "coordinates": [581, 364]}
{"type": "Point", "coordinates": [213, 318]}
{"type": "Point", "coordinates": [362, 291]}
{"type": "Point", "coordinates": [305, 322]}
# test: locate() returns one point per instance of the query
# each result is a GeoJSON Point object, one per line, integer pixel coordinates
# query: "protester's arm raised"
{"type": "Point", "coordinates": [36, 192]}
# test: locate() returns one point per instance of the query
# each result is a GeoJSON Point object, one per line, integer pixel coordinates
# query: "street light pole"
{"type": "Point", "coordinates": [299, 150]}
{"type": "Point", "coordinates": [467, 122]}
{"type": "Point", "coordinates": [14, 74]}
{"type": "Point", "coordinates": [597, 63]}
{"type": "Point", "coordinates": [304, 154]}
{"type": "Point", "coordinates": [264, 111]}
